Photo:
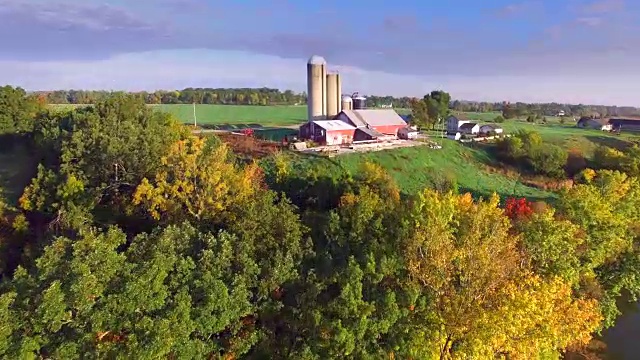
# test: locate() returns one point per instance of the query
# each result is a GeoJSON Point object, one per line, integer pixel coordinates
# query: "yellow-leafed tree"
{"type": "Point", "coordinates": [485, 300]}
{"type": "Point", "coordinates": [197, 181]}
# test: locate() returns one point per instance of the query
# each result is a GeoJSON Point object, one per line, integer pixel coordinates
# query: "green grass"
{"type": "Point", "coordinates": [566, 135]}
{"type": "Point", "coordinates": [266, 116]}
{"type": "Point", "coordinates": [416, 168]}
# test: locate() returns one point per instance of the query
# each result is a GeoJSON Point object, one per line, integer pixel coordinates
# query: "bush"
{"type": "Point", "coordinates": [499, 119]}
{"type": "Point", "coordinates": [548, 160]}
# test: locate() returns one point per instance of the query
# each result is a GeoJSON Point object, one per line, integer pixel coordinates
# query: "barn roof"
{"type": "Point", "coordinates": [374, 117]}
{"type": "Point", "coordinates": [468, 126]}
{"type": "Point", "coordinates": [333, 125]}
{"type": "Point", "coordinates": [601, 121]}
{"type": "Point", "coordinates": [370, 132]}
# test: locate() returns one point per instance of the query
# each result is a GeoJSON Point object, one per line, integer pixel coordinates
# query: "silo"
{"type": "Point", "coordinates": [347, 103]}
{"type": "Point", "coordinates": [316, 88]}
{"type": "Point", "coordinates": [359, 102]}
{"type": "Point", "coordinates": [339, 92]}
{"type": "Point", "coordinates": [333, 95]}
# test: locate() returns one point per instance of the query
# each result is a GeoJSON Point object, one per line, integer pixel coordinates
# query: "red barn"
{"type": "Point", "coordinates": [382, 121]}
{"type": "Point", "coordinates": [328, 132]}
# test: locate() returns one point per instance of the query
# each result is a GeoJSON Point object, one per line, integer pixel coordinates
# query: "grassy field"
{"type": "Point", "coordinates": [266, 116]}
{"type": "Point", "coordinates": [416, 168]}
{"type": "Point", "coordinates": [566, 135]}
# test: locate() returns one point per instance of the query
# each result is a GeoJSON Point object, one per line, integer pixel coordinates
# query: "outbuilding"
{"type": "Point", "coordinates": [491, 128]}
{"type": "Point", "coordinates": [454, 122]}
{"type": "Point", "coordinates": [408, 133]}
{"type": "Point", "coordinates": [383, 121]}
{"type": "Point", "coordinates": [594, 123]}
{"type": "Point", "coordinates": [328, 132]}
{"type": "Point", "coordinates": [625, 123]}
{"type": "Point", "coordinates": [469, 128]}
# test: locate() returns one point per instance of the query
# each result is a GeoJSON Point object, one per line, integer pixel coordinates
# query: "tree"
{"type": "Point", "coordinates": [197, 182]}
{"type": "Point", "coordinates": [604, 209]}
{"type": "Point", "coordinates": [94, 157]}
{"type": "Point", "coordinates": [453, 252]}
{"type": "Point", "coordinates": [175, 292]}
{"type": "Point", "coordinates": [419, 114]}
{"type": "Point", "coordinates": [17, 111]}
{"type": "Point", "coordinates": [437, 105]}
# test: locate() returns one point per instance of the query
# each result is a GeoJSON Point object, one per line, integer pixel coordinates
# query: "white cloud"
{"type": "Point", "coordinates": [206, 68]}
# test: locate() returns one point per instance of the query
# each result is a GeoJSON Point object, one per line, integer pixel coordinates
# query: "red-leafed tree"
{"type": "Point", "coordinates": [518, 208]}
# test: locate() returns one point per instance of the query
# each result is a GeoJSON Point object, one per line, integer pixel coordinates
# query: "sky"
{"type": "Point", "coordinates": [571, 51]}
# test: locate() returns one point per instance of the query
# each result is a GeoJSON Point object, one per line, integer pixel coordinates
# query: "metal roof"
{"type": "Point", "coordinates": [374, 117]}
{"type": "Point", "coordinates": [371, 132]}
{"type": "Point", "coordinates": [468, 125]}
{"type": "Point", "coordinates": [317, 60]}
{"type": "Point", "coordinates": [333, 125]}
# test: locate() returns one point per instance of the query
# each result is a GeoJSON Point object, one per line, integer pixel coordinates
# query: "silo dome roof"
{"type": "Point", "coordinates": [317, 60]}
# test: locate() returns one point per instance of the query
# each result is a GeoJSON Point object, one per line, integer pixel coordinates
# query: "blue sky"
{"type": "Point", "coordinates": [538, 50]}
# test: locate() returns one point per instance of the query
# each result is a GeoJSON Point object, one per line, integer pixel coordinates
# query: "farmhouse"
{"type": "Point", "coordinates": [328, 132]}
{"type": "Point", "coordinates": [491, 128]}
{"type": "Point", "coordinates": [625, 123]}
{"type": "Point", "coordinates": [455, 122]}
{"type": "Point", "coordinates": [384, 122]}
{"type": "Point", "coordinates": [594, 123]}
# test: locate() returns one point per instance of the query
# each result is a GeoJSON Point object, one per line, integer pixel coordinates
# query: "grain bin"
{"type": "Point", "coordinates": [347, 103]}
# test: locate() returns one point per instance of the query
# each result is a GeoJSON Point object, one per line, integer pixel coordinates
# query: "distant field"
{"type": "Point", "coordinates": [238, 114]}
{"type": "Point", "coordinates": [566, 135]}
{"type": "Point", "coordinates": [266, 116]}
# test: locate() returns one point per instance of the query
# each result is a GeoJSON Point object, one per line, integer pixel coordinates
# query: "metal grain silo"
{"type": "Point", "coordinates": [359, 101]}
{"type": "Point", "coordinates": [316, 88]}
{"type": "Point", "coordinates": [347, 103]}
{"type": "Point", "coordinates": [333, 95]}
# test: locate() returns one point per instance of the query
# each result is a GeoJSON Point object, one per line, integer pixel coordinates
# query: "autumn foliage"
{"type": "Point", "coordinates": [137, 239]}
{"type": "Point", "coordinates": [517, 209]}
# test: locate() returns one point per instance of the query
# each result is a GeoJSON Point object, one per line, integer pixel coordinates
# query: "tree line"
{"type": "Point", "coordinates": [268, 96]}
{"type": "Point", "coordinates": [136, 238]}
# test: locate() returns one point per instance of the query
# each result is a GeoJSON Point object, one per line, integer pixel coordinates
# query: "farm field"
{"type": "Point", "coordinates": [265, 116]}
{"type": "Point", "coordinates": [566, 135]}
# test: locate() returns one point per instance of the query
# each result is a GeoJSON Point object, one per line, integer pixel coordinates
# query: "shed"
{"type": "Point", "coordinates": [469, 128]}
{"type": "Point", "coordinates": [407, 133]}
{"type": "Point", "coordinates": [328, 132]}
{"type": "Point", "coordinates": [384, 121]}
{"type": "Point", "coordinates": [594, 123]}
{"type": "Point", "coordinates": [489, 128]}
{"type": "Point", "coordinates": [366, 134]}
{"type": "Point", "coordinates": [625, 123]}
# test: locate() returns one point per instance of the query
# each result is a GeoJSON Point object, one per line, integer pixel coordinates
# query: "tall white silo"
{"type": "Point", "coordinates": [334, 103]}
{"type": "Point", "coordinates": [317, 88]}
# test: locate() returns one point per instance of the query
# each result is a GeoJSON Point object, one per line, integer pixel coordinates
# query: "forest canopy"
{"type": "Point", "coordinates": [136, 238]}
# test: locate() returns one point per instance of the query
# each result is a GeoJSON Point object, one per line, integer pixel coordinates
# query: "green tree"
{"type": "Point", "coordinates": [437, 105]}
{"type": "Point", "coordinates": [419, 114]}
{"type": "Point", "coordinates": [17, 111]}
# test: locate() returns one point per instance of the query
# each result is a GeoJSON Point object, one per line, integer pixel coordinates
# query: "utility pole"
{"type": "Point", "coordinates": [195, 121]}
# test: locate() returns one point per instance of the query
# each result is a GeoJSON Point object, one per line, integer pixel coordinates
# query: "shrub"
{"type": "Point", "coordinates": [499, 119]}
{"type": "Point", "coordinates": [548, 160]}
